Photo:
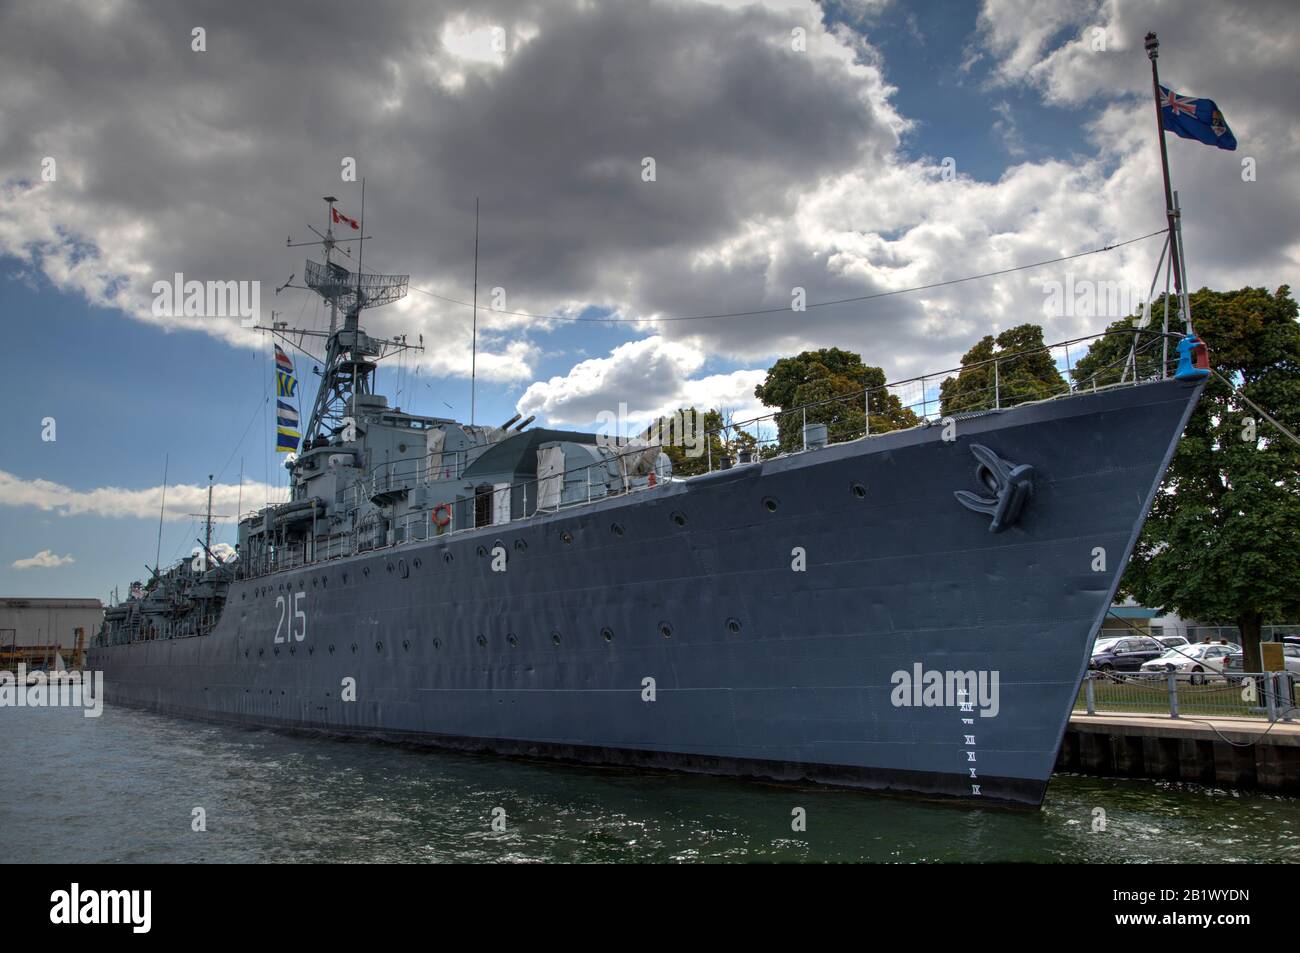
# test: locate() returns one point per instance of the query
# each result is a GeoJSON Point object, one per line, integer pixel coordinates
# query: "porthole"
{"type": "Point", "coordinates": [607, 634]}
{"type": "Point", "coordinates": [402, 569]}
{"type": "Point", "coordinates": [365, 571]}
{"type": "Point", "coordinates": [770, 504]}
{"type": "Point", "coordinates": [345, 579]}
{"type": "Point", "coordinates": [245, 653]}
{"type": "Point", "coordinates": [437, 643]}
{"type": "Point", "coordinates": [311, 650]}
{"type": "Point", "coordinates": [293, 650]}
{"type": "Point", "coordinates": [447, 556]}
{"type": "Point", "coordinates": [482, 550]}
{"type": "Point", "coordinates": [418, 564]}
{"type": "Point", "coordinates": [324, 581]}
{"type": "Point", "coordinates": [520, 545]}
{"type": "Point", "coordinates": [261, 652]}
{"type": "Point", "coordinates": [276, 650]}
{"type": "Point", "coordinates": [566, 536]}
{"type": "Point", "coordinates": [314, 582]}
{"type": "Point", "coordinates": [482, 641]}
{"type": "Point", "coordinates": [665, 630]}
{"type": "Point", "coordinates": [354, 648]}
{"type": "Point", "coordinates": [388, 566]}
{"type": "Point", "coordinates": [555, 637]}
{"type": "Point", "coordinates": [679, 519]}
{"type": "Point", "coordinates": [616, 529]}
{"type": "Point", "coordinates": [733, 626]}
{"type": "Point", "coordinates": [512, 640]}
{"type": "Point", "coordinates": [859, 490]}
{"type": "Point", "coordinates": [406, 645]}
{"type": "Point", "coordinates": [331, 648]}
{"type": "Point", "coordinates": [379, 646]}
{"type": "Point", "coordinates": [401, 448]}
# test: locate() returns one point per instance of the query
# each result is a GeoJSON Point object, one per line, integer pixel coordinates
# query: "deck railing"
{"type": "Point", "coordinates": [990, 385]}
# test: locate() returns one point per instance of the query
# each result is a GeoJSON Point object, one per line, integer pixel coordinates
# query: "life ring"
{"type": "Point", "coordinates": [445, 510]}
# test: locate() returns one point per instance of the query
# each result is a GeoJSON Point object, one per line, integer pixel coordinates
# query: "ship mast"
{"type": "Point", "coordinates": [351, 355]}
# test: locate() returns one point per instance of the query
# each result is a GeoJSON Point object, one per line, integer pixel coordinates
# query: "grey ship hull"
{"type": "Point", "coordinates": [762, 671]}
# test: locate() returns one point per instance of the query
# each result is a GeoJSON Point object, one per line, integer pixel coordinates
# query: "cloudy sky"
{"type": "Point", "coordinates": [794, 144]}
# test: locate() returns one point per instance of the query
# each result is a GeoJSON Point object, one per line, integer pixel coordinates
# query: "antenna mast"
{"type": "Point", "coordinates": [162, 507]}
{"type": "Point", "coordinates": [351, 355]}
{"type": "Point", "coordinates": [207, 532]}
{"type": "Point", "coordinates": [473, 354]}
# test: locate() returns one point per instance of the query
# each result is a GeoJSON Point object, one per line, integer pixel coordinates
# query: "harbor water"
{"type": "Point", "coordinates": [131, 786]}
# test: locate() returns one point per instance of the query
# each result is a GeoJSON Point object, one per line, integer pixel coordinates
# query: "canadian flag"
{"type": "Point", "coordinates": [340, 219]}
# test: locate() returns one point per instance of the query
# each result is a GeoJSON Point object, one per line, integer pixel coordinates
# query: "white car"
{"type": "Point", "coordinates": [1290, 658]}
{"type": "Point", "coordinates": [1198, 662]}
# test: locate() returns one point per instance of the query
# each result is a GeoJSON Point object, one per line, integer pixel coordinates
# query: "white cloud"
{"type": "Point", "coordinates": [777, 169]}
{"type": "Point", "coordinates": [45, 559]}
{"type": "Point", "coordinates": [182, 500]}
{"type": "Point", "coordinates": [642, 374]}
{"type": "Point", "coordinates": [648, 377]}
{"type": "Point", "coordinates": [1005, 126]}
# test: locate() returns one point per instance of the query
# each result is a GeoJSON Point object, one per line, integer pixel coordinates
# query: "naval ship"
{"type": "Point", "coordinates": [909, 611]}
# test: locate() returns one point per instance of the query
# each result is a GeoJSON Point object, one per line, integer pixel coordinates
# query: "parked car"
{"type": "Point", "coordinates": [1198, 662]}
{"type": "Point", "coordinates": [1124, 655]}
{"type": "Point", "coordinates": [1171, 641]}
{"type": "Point", "coordinates": [1290, 656]}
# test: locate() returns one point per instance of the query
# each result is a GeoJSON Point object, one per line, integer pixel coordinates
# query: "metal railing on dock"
{"type": "Point", "coordinates": [1267, 695]}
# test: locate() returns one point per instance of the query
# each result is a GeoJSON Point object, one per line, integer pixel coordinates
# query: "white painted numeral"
{"type": "Point", "coordinates": [280, 604]}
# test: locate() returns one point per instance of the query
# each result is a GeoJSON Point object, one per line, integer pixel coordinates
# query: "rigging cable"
{"type": "Point", "coordinates": [816, 304]}
{"type": "Point", "coordinates": [1258, 409]}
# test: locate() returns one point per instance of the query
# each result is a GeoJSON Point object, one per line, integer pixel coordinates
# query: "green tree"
{"type": "Point", "coordinates": [1222, 539]}
{"type": "Point", "coordinates": [692, 440]}
{"type": "Point", "coordinates": [1107, 359]}
{"type": "Point", "coordinates": [838, 378]}
{"type": "Point", "coordinates": [1024, 371]}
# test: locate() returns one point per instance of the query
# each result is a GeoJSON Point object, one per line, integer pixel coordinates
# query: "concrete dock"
{"type": "Point", "coordinates": [1227, 752]}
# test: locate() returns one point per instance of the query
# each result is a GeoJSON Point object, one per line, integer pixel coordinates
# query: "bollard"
{"type": "Point", "coordinates": [1173, 694]}
{"type": "Point", "coordinates": [1090, 693]}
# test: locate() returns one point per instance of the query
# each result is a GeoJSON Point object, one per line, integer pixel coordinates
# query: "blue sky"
{"type": "Point", "coordinates": [1033, 138]}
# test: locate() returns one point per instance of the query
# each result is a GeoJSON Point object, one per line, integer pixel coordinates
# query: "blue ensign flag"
{"type": "Point", "coordinates": [1197, 119]}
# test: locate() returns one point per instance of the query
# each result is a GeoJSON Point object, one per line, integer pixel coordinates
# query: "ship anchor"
{"type": "Point", "coordinates": [1013, 485]}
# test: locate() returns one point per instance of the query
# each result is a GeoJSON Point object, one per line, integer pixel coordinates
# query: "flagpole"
{"type": "Point", "coordinates": [1182, 260]}
{"type": "Point", "coordinates": [1153, 51]}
